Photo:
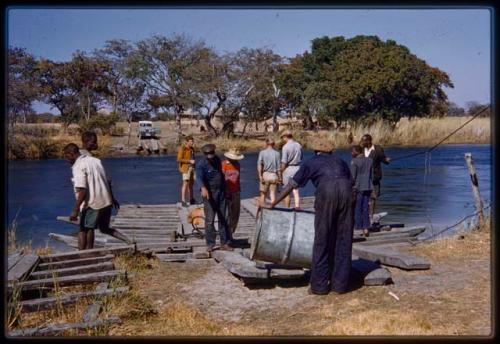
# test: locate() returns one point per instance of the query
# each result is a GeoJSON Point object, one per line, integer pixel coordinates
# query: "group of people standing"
{"type": "Point", "coordinates": [344, 199]}
{"type": "Point", "coordinates": [219, 182]}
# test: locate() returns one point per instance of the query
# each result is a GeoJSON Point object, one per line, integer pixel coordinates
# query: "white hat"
{"type": "Point", "coordinates": [234, 154]}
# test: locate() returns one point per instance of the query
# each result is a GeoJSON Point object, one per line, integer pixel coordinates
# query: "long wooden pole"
{"type": "Point", "coordinates": [475, 186]}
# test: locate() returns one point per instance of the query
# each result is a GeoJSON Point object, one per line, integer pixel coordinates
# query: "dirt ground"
{"type": "Point", "coordinates": [201, 298]}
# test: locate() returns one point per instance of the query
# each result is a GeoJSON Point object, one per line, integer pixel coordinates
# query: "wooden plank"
{"type": "Point", "coordinates": [59, 328]}
{"type": "Point", "coordinates": [14, 258]}
{"type": "Point", "coordinates": [389, 257]}
{"type": "Point", "coordinates": [287, 274]}
{"type": "Point", "coordinates": [250, 206]}
{"type": "Point", "coordinates": [67, 300]}
{"type": "Point", "coordinates": [106, 266]}
{"type": "Point", "coordinates": [380, 276]}
{"type": "Point", "coordinates": [23, 267]}
{"type": "Point", "coordinates": [96, 252]}
{"type": "Point", "coordinates": [50, 283]}
{"type": "Point", "coordinates": [410, 231]}
{"type": "Point", "coordinates": [74, 262]}
{"type": "Point", "coordinates": [239, 265]}
{"type": "Point", "coordinates": [174, 257]}
{"type": "Point", "coordinates": [200, 253]}
{"type": "Point", "coordinates": [404, 239]}
{"type": "Point", "coordinates": [92, 312]}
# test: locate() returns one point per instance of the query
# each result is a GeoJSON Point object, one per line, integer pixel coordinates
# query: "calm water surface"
{"type": "Point", "coordinates": [39, 191]}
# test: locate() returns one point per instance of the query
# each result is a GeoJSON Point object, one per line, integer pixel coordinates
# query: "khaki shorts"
{"type": "Point", "coordinates": [270, 182]}
{"type": "Point", "coordinates": [189, 175]}
{"type": "Point", "coordinates": [288, 174]}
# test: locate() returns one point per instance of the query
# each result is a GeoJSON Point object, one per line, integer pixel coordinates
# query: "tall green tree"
{"type": "Point", "coordinates": [364, 78]}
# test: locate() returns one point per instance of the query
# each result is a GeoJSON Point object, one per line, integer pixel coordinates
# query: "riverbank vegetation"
{"type": "Point", "coordinates": [42, 141]}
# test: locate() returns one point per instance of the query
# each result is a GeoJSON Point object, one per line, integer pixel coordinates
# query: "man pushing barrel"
{"type": "Point", "coordinates": [334, 217]}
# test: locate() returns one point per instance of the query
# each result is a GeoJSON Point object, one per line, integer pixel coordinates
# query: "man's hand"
{"type": "Point", "coordinates": [74, 214]}
{"type": "Point", "coordinates": [192, 162]}
{"type": "Point", "coordinates": [116, 205]}
{"type": "Point", "coordinates": [204, 193]}
{"type": "Point", "coordinates": [387, 159]}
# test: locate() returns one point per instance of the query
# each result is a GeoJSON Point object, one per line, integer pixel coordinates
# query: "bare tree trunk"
{"type": "Point", "coordinates": [178, 125]}
{"type": "Point", "coordinates": [129, 120]}
{"type": "Point", "coordinates": [275, 120]}
{"type": "Point", "coordinates": [244, 129]}
{"type": "Point", "coordinates": [307, 122]}
{"type": "Point", "coordinates": [88, 109]}
{"type": "Point", "coordinates": [210, 127]}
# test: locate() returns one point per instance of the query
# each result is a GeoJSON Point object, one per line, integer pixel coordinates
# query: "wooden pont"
{"type": "Point", "coordinates": [92, 312]}
{"type": "Point", "coordinates": [14, 257]}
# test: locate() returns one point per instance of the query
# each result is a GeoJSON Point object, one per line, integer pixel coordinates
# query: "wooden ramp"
{"type": "Point", "coordinates": [38, 283]}
{"type": "Point", "coordinates": [164, 230]}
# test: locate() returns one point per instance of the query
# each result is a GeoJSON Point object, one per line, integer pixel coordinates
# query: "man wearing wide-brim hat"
{"type": "Point", "coordinates": [212, 183]}
{"type": "Point", "coordinates": [334, 215]}
{"type": "Point", "coordinates": [231, 169]}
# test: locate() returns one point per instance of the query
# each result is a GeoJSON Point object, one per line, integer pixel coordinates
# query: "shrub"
{"type": "Point", "coordinates": [104, 123]}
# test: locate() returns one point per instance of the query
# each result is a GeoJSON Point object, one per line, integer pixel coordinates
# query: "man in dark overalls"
{"type": "Point", "coordinates": [211, 179]}
{"type": "Point", "coordinates": [334, 217]}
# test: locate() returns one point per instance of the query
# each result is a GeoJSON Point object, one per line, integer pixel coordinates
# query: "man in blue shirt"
{"type": "Point", "coordinates": [211, 180]}
{"type": "Point", "coordinates": [334, 217]}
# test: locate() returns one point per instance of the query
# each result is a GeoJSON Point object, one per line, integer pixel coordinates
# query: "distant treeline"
{"type": "Point", "coordinates": [340, 80]}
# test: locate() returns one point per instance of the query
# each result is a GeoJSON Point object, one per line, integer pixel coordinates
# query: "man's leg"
{"type": "Point", "coordinates": [234, 211]}
{"type": "Point", "coordinates": [224, 234]}
{"type": "Point", "coordinates": [208, 209]}
{"type": "Point", "coordinates": [272, 192]}
{"type": "Point", "coordinates": [82, 239]}
{"type": "Point", "coordinates": [342, 252]}
{"type": "Point", "coordinates": [191, 193]}
{"type": "Point", "coordinates": [320, 267]}
{"type": "Point", "coordinates": [373, 199]}
{"type": "Point", "coordinates": [90, 239]}
{"type": "Point", "coordinates": [183, 190]}
{"type": "Point", "coordinates": [296, 198]}
{"type": "Point", "coordinates": [103, 221]}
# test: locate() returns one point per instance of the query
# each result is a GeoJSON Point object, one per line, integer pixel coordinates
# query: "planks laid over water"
{"type": "Point", "coordinates": [39, 283]}
{"type": "Point", "coordinates": [164, 230]}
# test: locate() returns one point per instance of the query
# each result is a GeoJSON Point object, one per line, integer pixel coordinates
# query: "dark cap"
{"type": "Point", "coordinates": [208, 150]}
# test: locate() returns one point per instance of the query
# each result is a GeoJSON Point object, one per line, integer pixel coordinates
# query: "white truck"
{"type": "Point", "coordinates": [146, 130]}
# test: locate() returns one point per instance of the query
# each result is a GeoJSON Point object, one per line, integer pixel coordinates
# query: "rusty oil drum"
{"type": "Point", "coordinates": [284, 236]}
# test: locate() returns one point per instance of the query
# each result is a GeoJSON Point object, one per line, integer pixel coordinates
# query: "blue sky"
{"type": "Point", "coordinates": [456, 41]}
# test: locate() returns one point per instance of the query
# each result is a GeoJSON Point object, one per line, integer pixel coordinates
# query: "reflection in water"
{"type": "Point", "coordinates": [41, 190]}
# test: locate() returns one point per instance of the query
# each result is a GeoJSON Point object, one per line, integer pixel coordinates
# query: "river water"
{"type": "Point", "coordinates": [39, 191]}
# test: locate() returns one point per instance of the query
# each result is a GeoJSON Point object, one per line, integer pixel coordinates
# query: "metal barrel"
{"type": "Point", "coordinates": [284, 236]}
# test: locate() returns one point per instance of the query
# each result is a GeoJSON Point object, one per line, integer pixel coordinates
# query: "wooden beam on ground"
{"type": "Point", "coordinates": [96, 252]}
{"type": "Point", "coordinates": [23, 268]}
{"type": "Point", "coordinates": [74, 262]}
{"type": "Point", "coordinates": [98, 267]}
{"type": "Point", "coordinates": [50, 283]}
{"type": "Point", "coordinates": [76, 223]}
{"type": "Point", "coordinates": [59, 328]}
{"type": "Point", "coordinates": [14, 257]}
{"type": "Point", "coordinates": [92, 312]}
{"type": "Point", "coordinates": [174, 257]}
{"type": "Point", "coordinates": [239, 265]}
{"type": "Point", "coordinates": [389, 257]}
{"type": "Point", "coordinates": [67, 300]}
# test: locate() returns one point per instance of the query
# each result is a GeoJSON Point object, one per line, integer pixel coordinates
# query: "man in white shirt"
{"type": "Point", "coordinates": [94, 201]}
